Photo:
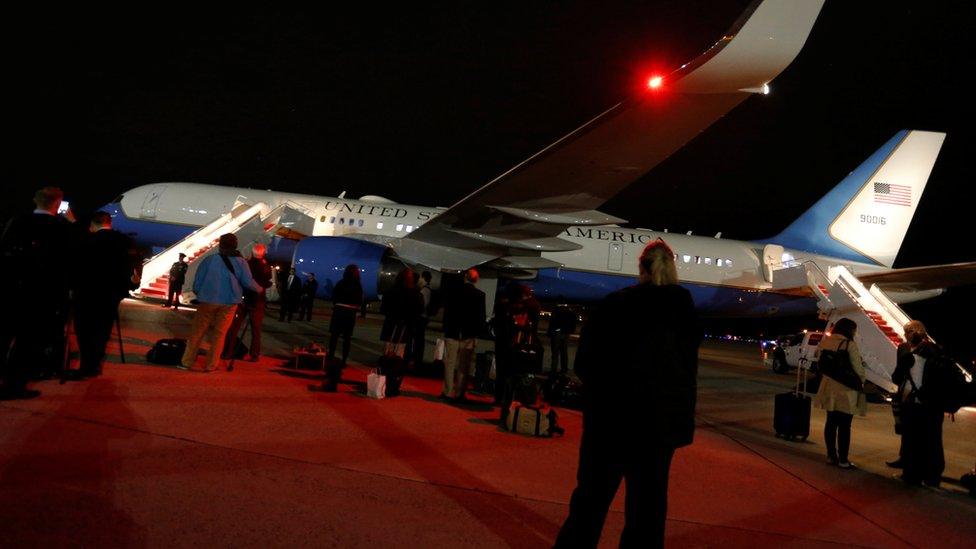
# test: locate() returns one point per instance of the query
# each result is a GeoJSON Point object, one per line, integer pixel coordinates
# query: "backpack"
{"type": "Point", "coordinates": [946, 384]}
{"type": "Point", "coordinates": [167, 351]}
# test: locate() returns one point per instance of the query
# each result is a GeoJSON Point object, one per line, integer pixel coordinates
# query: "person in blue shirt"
{"type": "Point", "coordinates": [219, 287]}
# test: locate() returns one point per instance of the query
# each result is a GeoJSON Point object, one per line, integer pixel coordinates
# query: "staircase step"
{"type": "Point", "coordinates": [152, 291]}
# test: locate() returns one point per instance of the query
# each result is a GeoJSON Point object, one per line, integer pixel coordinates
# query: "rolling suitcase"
{"type": "Point", "coordinates": [791, 414]}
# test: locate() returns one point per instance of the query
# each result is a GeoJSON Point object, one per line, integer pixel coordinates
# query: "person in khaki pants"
{"type": "Point", "coordinates": [464, 319]}
{"type": "Point", "coordinates": [219, 287]}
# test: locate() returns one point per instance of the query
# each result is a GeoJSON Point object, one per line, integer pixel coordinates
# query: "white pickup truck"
{"type": "Point", "coordinates": [792, 351]}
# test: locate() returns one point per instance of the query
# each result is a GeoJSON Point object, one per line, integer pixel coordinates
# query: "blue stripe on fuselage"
{"type": "Point", "coordinates": [582, 287]}
{"type": "Point", "coordinates": [147, 233]}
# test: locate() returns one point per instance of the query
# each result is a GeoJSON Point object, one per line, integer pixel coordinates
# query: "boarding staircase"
{"type": "Point", "coordinates": [880, 322]}
{"type": "Point", "coordinates": [252, 223]}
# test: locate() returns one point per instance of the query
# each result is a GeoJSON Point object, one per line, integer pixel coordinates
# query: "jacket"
{"type": "Point", "coordinates": [834, 396]}
{"type": "Point", "coordinates": [638, 360]}
{"type": "Point", "coordinates": [464, 313]}
{"type": "Point", "coordinates": [116, 258]}
{"type": "Point", "coordinates": [215, 284]}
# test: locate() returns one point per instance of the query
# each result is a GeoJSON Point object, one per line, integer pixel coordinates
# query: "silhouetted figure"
{"type": "Point", "coordinates": [418, 341]}
{"type": "Point", "coordinates": [638, 359]}
{"type": "Point", "coordinates": [347, 297]}
{"type": "Point", "coordinates": [253, 307]}
{"type": "Point", "coordinates": [177, 277]}
{"type": "Point", "coordinates": [562, 324]}
{"type": "Point", "coordinates": [307, 300]}
{"type": "Point", "coordinates": [99, 291]}
{"type": "Point", "coordinates": [464, 319]}
{"type": "Point", "coordinates": [402, 305]}
{"type": "Point", "coordinates": [291, 292]}
{"type": "Point", "coordinates": [923, 458]}
{"type": "Point", "coordinates": [36, 254]}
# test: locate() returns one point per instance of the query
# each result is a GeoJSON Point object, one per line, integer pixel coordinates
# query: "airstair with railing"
{"type": "Point", "coordinates": [839, 294]}
{"type": "Point", "coordinates": [252, 223]}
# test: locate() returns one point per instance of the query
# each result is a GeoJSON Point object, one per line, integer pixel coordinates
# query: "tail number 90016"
{"type": "Point", "coordinates": [873, 219]}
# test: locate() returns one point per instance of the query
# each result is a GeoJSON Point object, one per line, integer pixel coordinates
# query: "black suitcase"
{"type": "Point", "coordinates": [167, 351]}
{"type": "Point", "coordinates": [791, 413]}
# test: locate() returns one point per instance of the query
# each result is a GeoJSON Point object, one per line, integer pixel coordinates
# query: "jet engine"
{"type": "Point", "coordinates": [328, 256]}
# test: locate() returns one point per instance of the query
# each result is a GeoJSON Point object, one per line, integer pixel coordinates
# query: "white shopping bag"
{"type": "Point", "coordinates": [439, 349]}
{"type": "Point", "coordinates": [375, 385]}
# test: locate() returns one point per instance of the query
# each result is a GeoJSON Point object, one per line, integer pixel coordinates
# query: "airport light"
{"type": "Point", "coordinates": [655, 82]}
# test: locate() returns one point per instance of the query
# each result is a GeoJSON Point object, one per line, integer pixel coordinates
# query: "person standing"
{"type": "Point", "coordinates": [291, 291]}
{"type": "Point", "coordinates": [922, 456]}
{"type": "Point", "coordinates": [99, 291]}
{"type": "Point", "coordinates": [402, 305]}
{"type": "Point", "coordinates": [309, 289]}
{"type": "Point", "coordinates": [177, 276]}
{"type": "Point", "coordinates": [638, 358]}
{"type": "Point", "coordinates": [36, 252]}
{"type": "Point", "coordinates": [347, 297]}
{"type": "Point", "coordinates": [253, 307]}
{"type": "Point", "coordinates": [840, 401]}
{"type": "Point", "coordinates": [464, 319]}
{"type": "Point", "coordinates": [219, 287]}
{"type": "Point", "coordinates": [562, 324]}
{"type": "Point", "coordinates": [418, 341]}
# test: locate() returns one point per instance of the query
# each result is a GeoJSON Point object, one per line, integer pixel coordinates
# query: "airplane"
{"type": "Point", "coordinates": [509, 226]}
{"type": "Point", "coordinates": [539, 221]}
{"type": "Point", "coordinates": [859, 224]}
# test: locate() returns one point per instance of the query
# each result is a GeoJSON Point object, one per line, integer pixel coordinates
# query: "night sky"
{"type": "Point", "coordinates": [426, 104]}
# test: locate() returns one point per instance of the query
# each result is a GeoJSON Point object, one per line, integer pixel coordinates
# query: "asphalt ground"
{"type": "Point", "coordinates": [149, 455]}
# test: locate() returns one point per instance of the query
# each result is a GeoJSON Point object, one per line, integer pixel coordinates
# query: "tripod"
{"type": "Point", "coordinates": [246, 320]}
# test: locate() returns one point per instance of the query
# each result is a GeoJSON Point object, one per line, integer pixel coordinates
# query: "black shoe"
{"type": "Point", "coordinates": [895, 464]}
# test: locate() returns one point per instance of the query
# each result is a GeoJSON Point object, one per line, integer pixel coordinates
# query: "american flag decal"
{"type": "Point", "coordinates": [889, 193]}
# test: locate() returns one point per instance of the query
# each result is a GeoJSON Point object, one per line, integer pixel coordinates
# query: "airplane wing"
{"type": "Point", "coordinates": [508, 222]}
{"type": "Point", "coordinates": [915, 279]}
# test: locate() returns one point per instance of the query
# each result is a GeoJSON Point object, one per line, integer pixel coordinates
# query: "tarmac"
{"type": "Point", "coordinates": [149, 455]}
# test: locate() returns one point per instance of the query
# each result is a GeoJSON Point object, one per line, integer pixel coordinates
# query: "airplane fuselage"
{"type": "Point", "coordinates": [725, 276]}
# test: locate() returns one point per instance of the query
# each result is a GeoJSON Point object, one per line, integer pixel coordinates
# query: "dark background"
{"type": "Point", "coordinates": [424, 105]}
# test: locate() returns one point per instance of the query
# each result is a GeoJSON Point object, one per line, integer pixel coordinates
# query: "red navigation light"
{"type": "Point", "coordinates": [655, 82]}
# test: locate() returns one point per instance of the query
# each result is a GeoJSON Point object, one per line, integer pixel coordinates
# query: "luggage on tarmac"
{"type": "Point", "coordinates": [525, 389]}
{"type": "Point", "coordinates": [563, 390]}
{"type": "Point", "coordinates": [393, 367]}
{"type": "Point", "coordinates": [527, 420]}
{"type": "Point", "coordinates": [376, 385]}
{"type": "Point", "coordinates": [791, 412]}
{"type": "Point", "coordinates": [167, 351]}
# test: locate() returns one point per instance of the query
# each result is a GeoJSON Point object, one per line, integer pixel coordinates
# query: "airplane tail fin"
{"type": "Point", "coordinates": [865, 217]}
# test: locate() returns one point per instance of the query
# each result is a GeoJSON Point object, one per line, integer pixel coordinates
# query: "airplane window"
{"type": "Point", "coordinates": [687, 258]}
{"type": "Point", "coordinates": [728, 262]}
{"type": "Point", "coordinates": [361, 222]}
{"type": "Point", "coordinates": [409, 228]}
{"type": "Point", "coordinates": [332, 220]}
{"type": "Point", "coordinates": [399, 227]}
{"type": "Point", "coordinates": [322, 219]}
{"type": "Point", "coordinates": [718, 262]}
{"type": "Point", "coordinates": [342, 220]}
{"type": "Point", "coordinates": [697, 260]}
{"type": "Point", "coordinates": [352, 222]}
{"type": "Point", "coordinates": [708, 261]}
{"type": "Point", "coordinates": [379, 224]}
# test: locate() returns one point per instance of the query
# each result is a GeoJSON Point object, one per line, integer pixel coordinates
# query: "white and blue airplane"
{"type": "Point", "coordinates": [540, 221]}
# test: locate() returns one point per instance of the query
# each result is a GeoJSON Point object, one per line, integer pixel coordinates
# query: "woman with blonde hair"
{"type": "Point", "coordinates": [638, 359]}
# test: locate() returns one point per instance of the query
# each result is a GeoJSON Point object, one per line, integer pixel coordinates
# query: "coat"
{"type": "Point", "coordinates": [834, 396]}
{"type": "Point", "coordinates": [464, 313]}
{"type": "Point", "coordinates": [638, 360]}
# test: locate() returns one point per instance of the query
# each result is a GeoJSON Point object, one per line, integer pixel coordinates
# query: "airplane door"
{"type": "Point", "coordinates": [615, 260]}
{"type": "Point", "coordinates": [151, 203]}
{"type": "Point", "coordinates": [772, 259]}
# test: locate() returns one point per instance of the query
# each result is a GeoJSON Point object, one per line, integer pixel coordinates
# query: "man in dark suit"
{"type": "Point", "coordinates": [291, 291]}
{"type": "Point", "coordinates": [110, 274]}
{"type": "Point", "coordinates": [308, 298]}
{"type": "Point", "coordinates": [177, 277]}
{"type": "Point", "coordinates": [638, 359]}
{"type": "Point", "coordinates": [35, 251]}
